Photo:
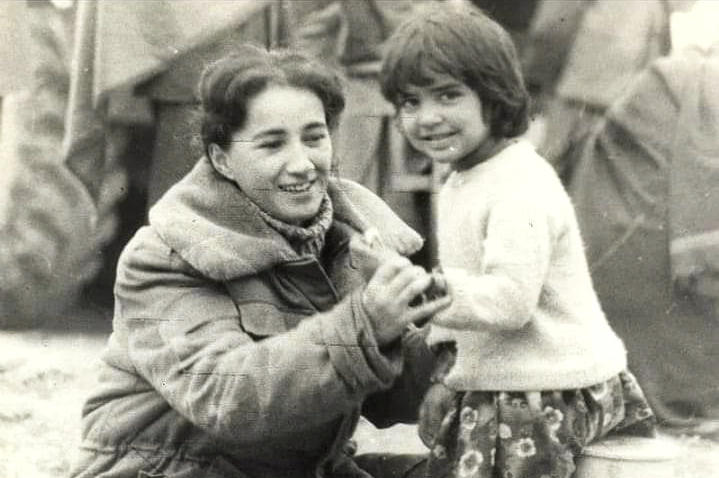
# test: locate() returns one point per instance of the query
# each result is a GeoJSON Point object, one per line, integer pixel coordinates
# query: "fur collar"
{"type": "Point", "coordinates": [215, 228]}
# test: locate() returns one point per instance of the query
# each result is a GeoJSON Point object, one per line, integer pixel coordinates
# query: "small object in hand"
{"type": "Point", "coordinates": [372, 239]}
{"type": "Point", "coordinates": [437, 289]}
{"type": "Point", "coordinates": [370, 251]}
{"type": "Point", "coordinates": [374, 251]}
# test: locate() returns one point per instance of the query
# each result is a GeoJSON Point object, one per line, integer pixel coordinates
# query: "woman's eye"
{"type": "Point", "coordinates": [271, 144]}
{"type": "Point", "coordinates": [314, 138]}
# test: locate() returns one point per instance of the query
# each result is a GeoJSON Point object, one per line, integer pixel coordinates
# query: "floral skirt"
{"type": "Point", "coordinates": [483, 434]}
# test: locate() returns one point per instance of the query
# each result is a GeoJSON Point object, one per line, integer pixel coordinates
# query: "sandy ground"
{"type": "Point", "coordinates": [45, 375]}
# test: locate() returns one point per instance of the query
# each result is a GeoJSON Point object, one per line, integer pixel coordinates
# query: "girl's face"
{"type": "Point", "coordinates": [443, 119]}
{"type": "Point", "coordinates": [281, 158]}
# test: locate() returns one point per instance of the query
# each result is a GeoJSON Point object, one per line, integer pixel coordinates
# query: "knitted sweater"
{"type": "Point", "coordinates": [525, 315]}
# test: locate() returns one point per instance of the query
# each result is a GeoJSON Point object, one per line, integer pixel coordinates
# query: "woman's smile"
{"type": "Point", "coordinates": [298, 187]}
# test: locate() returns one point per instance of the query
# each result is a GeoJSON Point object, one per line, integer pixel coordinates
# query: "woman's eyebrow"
{"type": "Point", "coordinates": [266, 133]}
{"type": "Point", "coordinates": [315, 125]}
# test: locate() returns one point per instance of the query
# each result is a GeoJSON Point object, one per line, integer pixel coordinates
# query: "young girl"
{"type": "Point", "coordinates": [529, 369]}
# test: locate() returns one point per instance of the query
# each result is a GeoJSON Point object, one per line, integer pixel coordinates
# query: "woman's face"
{"type": "Point", "coordinates": [281, 158]}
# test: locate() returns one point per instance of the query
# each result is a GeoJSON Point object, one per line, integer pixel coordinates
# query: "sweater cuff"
{"type": "Point", "coordinates": [354, 351]}
{"type": "Point", "coordinates": [460, 309]}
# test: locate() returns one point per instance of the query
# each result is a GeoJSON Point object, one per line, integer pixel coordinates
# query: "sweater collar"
{"type": "Point", "coordinates": [484, 153]}
{"type": "Point", "coordinates": [307, 239]}
{"type": "Point", "coordinates": [215, 227]}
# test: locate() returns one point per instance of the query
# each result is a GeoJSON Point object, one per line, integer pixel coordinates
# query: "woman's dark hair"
{"type": "Point", "coordinates": [464, 43]}
{"type": "Point", "coordinates": [227, 86]}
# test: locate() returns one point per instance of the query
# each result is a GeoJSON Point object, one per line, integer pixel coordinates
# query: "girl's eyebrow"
{"type": "Point", "coordinates": [445, 86]}
{"type": "Point", "coordinates": [432, 87]}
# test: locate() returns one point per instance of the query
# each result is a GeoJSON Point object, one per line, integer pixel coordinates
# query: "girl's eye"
{"type": "Point", "coordinates": [450, 95]}
{"type": "Point", "coordinates": [408, 103]}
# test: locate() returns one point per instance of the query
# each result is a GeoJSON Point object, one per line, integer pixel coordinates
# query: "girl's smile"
{"type": "Point", "coordinates": [439, 141]}
{"type": "Point", "coordinates": [443, 119]}
{"type": "Point", "coordinates": [437, 137]}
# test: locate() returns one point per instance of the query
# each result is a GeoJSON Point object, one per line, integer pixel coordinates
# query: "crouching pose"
{"type": "Point", "coordinates": [246, 340]}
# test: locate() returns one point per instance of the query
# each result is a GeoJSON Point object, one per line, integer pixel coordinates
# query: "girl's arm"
{"type": "Point", "coordinates": [504, 294]}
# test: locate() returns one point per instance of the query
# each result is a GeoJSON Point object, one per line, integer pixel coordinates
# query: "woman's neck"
{"type": "Point", "coordinates": [485, 151]}
{"type": "Point", "coordinates": [307, 238]}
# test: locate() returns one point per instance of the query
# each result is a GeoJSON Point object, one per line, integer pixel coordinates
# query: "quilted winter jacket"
{"type": "Point", "coordinates": [232, 356]}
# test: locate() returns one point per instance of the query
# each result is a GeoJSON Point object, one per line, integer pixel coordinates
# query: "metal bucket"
{"type": "Point", "coordinates": [628, 457]}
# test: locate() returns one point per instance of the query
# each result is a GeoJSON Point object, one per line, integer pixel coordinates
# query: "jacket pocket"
{"type": "Point", "coordinates": [263, 319]}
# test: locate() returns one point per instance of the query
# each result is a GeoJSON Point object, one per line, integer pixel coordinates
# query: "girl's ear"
{"type": "Point", "coordinates": [219, 159]}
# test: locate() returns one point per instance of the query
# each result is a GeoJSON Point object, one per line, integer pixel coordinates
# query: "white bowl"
{"type": "Point", "coordinates": [628, 457]}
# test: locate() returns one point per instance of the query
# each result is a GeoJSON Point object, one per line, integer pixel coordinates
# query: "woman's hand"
{"type": "Point", "coordinates": [387, 296]}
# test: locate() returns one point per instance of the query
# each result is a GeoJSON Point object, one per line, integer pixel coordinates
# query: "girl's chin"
{"type": "Point", "coordinates": [444, 157]}
{"type": "Point", "coordinates": [442, 153]}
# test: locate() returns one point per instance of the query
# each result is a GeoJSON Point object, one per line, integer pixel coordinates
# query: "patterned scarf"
{"type": "Point", "coordinates": [309, 239]}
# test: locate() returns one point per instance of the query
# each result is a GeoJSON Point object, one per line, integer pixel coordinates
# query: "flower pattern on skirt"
{"type": "Point", "coordinates": [482, 434]}
{"type": "Point", "coordinates": [469, 464]}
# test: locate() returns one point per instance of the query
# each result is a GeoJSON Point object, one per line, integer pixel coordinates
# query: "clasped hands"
{"type": "Point", "coordinates": [398, 293]}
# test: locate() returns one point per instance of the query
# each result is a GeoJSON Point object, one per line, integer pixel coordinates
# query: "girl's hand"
{"type": "Point", "coordinates": [438, 402]}
{"type": "Point", "coordinates": [387, 296]}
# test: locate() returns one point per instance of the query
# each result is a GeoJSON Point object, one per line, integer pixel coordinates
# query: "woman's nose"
{"type": "Point", "coordinates": [299, 160]}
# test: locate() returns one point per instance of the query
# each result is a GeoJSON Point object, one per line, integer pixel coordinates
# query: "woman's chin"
{"type": "Point", "coordinates": [300, 211]}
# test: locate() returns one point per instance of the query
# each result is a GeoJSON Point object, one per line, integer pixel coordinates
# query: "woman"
{"type": "Point", "coordinates": [246, 339]}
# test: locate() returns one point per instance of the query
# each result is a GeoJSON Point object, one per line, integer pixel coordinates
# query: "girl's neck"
{"type": "Point", "coordinates": [485, 151]}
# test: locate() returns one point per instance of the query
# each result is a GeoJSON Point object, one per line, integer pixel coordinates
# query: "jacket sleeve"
{"type": "Point", "coordinates": [400, 403]}
{"type": "Point", "coordinates": [184, 338]}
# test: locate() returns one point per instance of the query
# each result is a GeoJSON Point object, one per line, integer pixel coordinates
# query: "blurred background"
{"type": "Point", "coordinates": [97, 108]}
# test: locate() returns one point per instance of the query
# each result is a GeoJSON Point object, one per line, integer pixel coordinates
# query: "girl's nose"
{"type": "Point", "coordinates": [428, 115]}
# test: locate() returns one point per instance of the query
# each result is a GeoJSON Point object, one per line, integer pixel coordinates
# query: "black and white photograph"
{"type": "Point", "coordinates": [359, 239]}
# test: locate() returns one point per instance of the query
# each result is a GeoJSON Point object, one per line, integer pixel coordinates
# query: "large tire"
{"type": "Point", "coordinates": [51, 231]}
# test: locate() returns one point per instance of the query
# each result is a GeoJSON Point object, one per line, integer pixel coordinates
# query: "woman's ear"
{"type": "Point", "coordinates": [219, 159]}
